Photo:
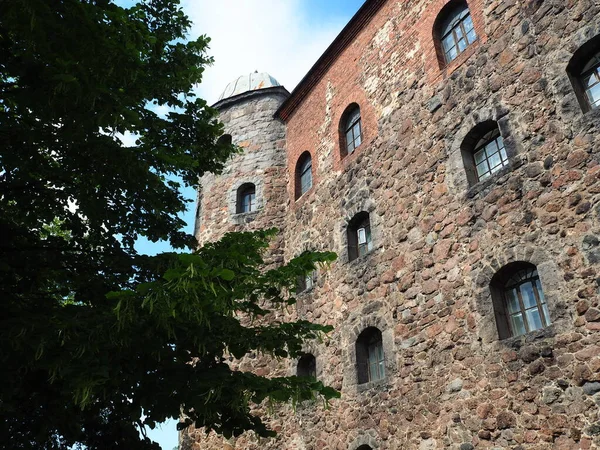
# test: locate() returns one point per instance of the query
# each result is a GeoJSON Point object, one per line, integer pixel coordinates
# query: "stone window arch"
{"type": "Point", "coordinates": [246, 198]}
{"type": "Point", "coordinates": [584, 72]}
{"type": "Point", "coordinates": [370, 358]}
{"type": "Point", "coordinates": [304, 176]}
{"type": "Point", "coordinates": [518, 299]}
{"type": "Point", "coordinates": [307, 366]}
{"type": "Point", "coordinates": [483, 152]}
{"type": "Point", "coordinates": [453, 31]}
{"type": "Point", "coordinates": [360, 241]}
{"type": "Point", "coordinates": [351, 135]}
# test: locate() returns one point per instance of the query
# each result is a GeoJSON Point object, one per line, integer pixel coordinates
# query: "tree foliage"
{"type": "Point", "coordinates": [94, 336]}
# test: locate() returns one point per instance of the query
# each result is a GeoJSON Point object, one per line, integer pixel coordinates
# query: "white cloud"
{"type": "Point", "coordinates": [274, 36]}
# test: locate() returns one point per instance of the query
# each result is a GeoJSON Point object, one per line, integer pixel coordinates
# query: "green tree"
{"type": "Point", "coordinates": [94, 336]}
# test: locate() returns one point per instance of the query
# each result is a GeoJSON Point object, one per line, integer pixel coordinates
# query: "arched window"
{"type": "Point", "coordinates": [246, 198]}
{"type": "Point", "coordinates": [519, 302]}
{"type": "Point", "coordinates": [370, 360]}
{"type": "Point", "coordinates": [364, 447]}
{"type": "Point", "coordinates": [303, 174]}
{"type": "Point", "coordinates": [307, 366]}
{"type": "Point", "coordinates": [359, 236]}
{"type": "Point", "coordinates": [225, 139]}
{"type": "Point", "coordinates": [584, 71]}
{"type": "Point", "coordinates": [350, 130]}
{"type": "Point", "coordinates": [453, 31]}
{"type": "Point", "coordinates": [483, 152]}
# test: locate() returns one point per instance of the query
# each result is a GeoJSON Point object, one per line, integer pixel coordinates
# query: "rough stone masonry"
{"type": "Point", "coordinates": [454, 378]}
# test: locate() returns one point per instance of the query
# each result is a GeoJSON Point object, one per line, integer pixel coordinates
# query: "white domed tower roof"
{"type": "Point", "coordinates": [251, 82]}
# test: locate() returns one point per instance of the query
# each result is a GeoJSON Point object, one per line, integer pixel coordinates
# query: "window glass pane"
{"type": "Point", "coordinates": [471, 36]}
{"type": "Point", "coordinates": [349, 137]}
{"type": "Point", "coordinates": [495, 161]}
{"type": "Point", "coordinates": [308, 281]}
{"type": "Point", "coordinates": [503, 155]}
{"type": "Point", "coordinates": [362, 235]}
{"type": "Point", "coordinates": [452, 54]}
{"type": "Point", "coordinates": [448, 43]}
{"type": "Point", "coordinates": [491, 148]}
{"type": "Point", "coordinates": [540, 292]}
{"type": "Point", "coordinates": [479, 156]}
{"type": "Point", "coordinates": [590, 80]}
{"type": "Point", "coordinates": [381, 369]}
{"type": "Point", "coordinates": [594, 95]}
{"type": "Point", "coordinates": [533, 319]}
{"type": "Point", "coordinates": [482, 172]}
{"type": "Point", "coordinates": [247, 203]}
{"type": "Point", "coordinates": [356, 131]}
{"type": "Point", "coordinates": [546, 313]}
{"type": "Point", "coordinates": [518, 328]}
{"type": "Point", "coordinates": [459, 33]}
{"type": "Point", "coordinates": [305, 181]}
{"type": "Point", "coordinates": [527, 295]}
{"type": "Point", "coordinates": [357, 141]}
{"type": "Point", "coordinates": [468, 23]}
{"type": "Point", "coordinates": [512, 301]}
{"type": "Point", "coordinates": [462, 44]}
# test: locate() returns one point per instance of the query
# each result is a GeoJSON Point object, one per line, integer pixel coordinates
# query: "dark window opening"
{"type": "Point", "coordinates": [359, 236]}
{"type": "Point", "coordinates": [303, 174]}
{"type": "Point", "coordinates": [454, 31]}
{"type": "Point", "coordinates": [483, 152]}
{"type": "Point", "coordinates": [225, 139]}
{"type": "Point", "coordinates": [584, 72]}
{"type": "Point", "coordinates": [364, 447]}
{"type": "Point", "coordinates": [370, 360]}
{"type": "Point", "coordinates": [306, 282]}
{"type": "Point", "coordinates": [307, 366]}
{"type": "Point", "coordinates": [519, 303]}
{"type": "Point", "coordinates": [246, 198]}
{"type": "Point", "coordinates": [590, 78]}
{"type": "Point", "coordinates": [351, 130]}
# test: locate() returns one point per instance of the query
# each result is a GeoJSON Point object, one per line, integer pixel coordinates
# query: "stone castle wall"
{"type": "Point", "coordinates": [438, 240]}
{"type": "Point", "coordinates": [250, 123]}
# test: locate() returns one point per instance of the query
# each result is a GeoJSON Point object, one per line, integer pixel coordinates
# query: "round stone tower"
{"type": "Point", "coordinates": [251, 192]}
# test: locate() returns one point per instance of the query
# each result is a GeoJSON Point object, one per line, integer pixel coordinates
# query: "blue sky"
{"type": "Point", "coordinates": [281, 37]}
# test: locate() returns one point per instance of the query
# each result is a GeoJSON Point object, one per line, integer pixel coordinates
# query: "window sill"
{"type": "Point", "coordinates": [304, 197]}
{"type": "Point", "coordinates": [357, 261]}
{"type": "Point", "coordinates": [306, 291]}
{"type": "Point", "coordinates": [593, 113]}
{"type": "Point", "coordinates": [449, 68]}
{"type": "Point", "coordinates": [518, 341]}
{"type": "Point", "coordinates": [496, 178]}
{"type": "Point", "coordinates": [244, 217]}
{"type": "Point", "coordinates": [363, 387]}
